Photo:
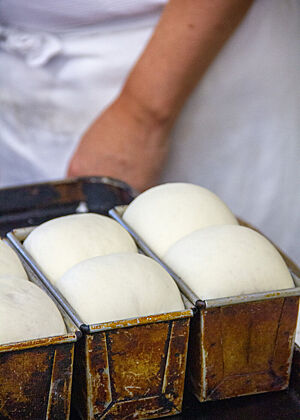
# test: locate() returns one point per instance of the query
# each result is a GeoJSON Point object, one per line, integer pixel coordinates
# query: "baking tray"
{"type": "Point", "coordinates": [43, 201]}
{"type": "Point", "coordinates": [31, 205]}
{"type": "Point", "coordinates": [36, 375]}
{"type": "Point", "coordinates": [239, 345]}
{"type": "Point", "coordinates": [132, 368]}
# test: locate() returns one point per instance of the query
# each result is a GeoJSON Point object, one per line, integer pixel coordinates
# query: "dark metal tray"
{"type": "Point", "coordinates": [270, 406]}
{"type": "Point", "coordinates": [33, 204]}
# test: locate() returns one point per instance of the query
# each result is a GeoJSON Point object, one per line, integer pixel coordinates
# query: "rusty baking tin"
{"type": "Point", "coordinates": [133, 368]}
{"type": "Point", "coordinates": [36, 375]}
{"type": "Point", "coordinates": [30, 205]}
{"type": "Point", "coordinates": [238, 345]}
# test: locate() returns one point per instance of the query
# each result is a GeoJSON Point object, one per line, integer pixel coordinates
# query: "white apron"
{"type": "Point", "coordinates": [238, 134]}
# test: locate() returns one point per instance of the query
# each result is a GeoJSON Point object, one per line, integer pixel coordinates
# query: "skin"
{"type": "Point", "coordinates": [129, 140]}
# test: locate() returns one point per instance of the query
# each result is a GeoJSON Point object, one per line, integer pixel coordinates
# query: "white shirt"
{"type": "Point", "coordinates": [68, 15]}
{"type": "Point", "coordinates": [238, 133]}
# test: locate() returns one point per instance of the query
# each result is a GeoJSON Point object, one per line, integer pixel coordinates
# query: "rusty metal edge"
{"type": "Point", "coordinates": [202, 397]}
{"type": "Point", "coordinates": [252, 297]}
{"type": "Point", "coordinates": [40, 342]}
{"type": "Point", "coordinates": [148, 319]}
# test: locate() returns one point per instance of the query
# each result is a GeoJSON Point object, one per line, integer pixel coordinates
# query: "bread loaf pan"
{"type": "Point", "coordinates": [134, 368]}
{"type": "Point", "coordinates": [239, 345]}
{"type": "Point", "coordinates": [36, 375]}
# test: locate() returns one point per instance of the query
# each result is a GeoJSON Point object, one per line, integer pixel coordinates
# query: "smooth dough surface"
{"type": "Point", "coordinates": [60, 243]}
{"type": "Point", "coordinates": [10, 263]}
{"type": "Point", "coordinates": [222, 261]}
{"type": "Point", "coordinates": [119, 286]}
{"type": "Point", "coordinates": [165, 213]}
{"type": "Point", "coordinates": [26, 313]}
{"type": "Point", "coordinates": [12, 280]}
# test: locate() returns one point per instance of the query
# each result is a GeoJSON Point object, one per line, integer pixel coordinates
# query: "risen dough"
{"type": "Point", "coordinates": [10, 263]}
{"type": "Point", "coordinates": [224, 261]}
{"type": "Point", "coordinates": [12, 280]}
{"type": "Point", "coordinates": [26, 312]}
{"type": "Point", "coordinates": [164, 214]}
{"type": "Point", "coordinates": [60, 243]}
{"type": "Point", "coordinates": [119, 286]}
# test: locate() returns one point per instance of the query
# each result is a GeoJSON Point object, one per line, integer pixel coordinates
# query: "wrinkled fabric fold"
{"type": "Point", "coordinates": [238, 134]}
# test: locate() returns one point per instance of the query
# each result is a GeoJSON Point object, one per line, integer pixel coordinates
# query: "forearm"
{"type": "Point", "coordinates": [129, 139]}
{"type": "Point", "coordinates": [187, 38]}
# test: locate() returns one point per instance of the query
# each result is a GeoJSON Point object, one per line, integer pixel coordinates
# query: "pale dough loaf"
{"type": "Point", "coordinates": [12, 280]}
{"type": "Point", "coordinates": [60, 243]}
{"type": "Point", "coordinates": [119, 286]}
{"type": "Point", "coordinates": [165, 213]}
{"type": "Point", "coordinates": [222, 261]}
{"type": "Point", "coordinates": [26, 313]}
{"type": "Point", "coordinates": [10, 263]}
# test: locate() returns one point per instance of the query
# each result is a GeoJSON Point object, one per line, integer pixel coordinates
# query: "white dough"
{"type": "Point", "coordinates": [119, 286]}
{"type": "Point", "coordinates": [165, 213]}
{"type": "Point", "coordinates": [12, 280]}
{"type": "Point", "coordinates": [60, 243]}
{"type": "Point", "coordinates": [10, 263]}
{"type": "Point", "coordinates": [26, 313]}
{"type": "Point", "coordinates": [222, 261]}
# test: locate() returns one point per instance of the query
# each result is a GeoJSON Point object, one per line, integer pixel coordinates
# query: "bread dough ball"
{"type": "Point", "coordinates": [222, 261]}
{"type": "Point", "coordinates": [12, 280]}
{"type": "Point", "coordinates": [60, 243]}
{"type": "Point", "coordinates": [164, 214]}
{"type": "Point", "coordinates": [26, 313]}
{"type": "Point", "coordinates": [10, 263]}
{"type": "Point", "coordinates": [119, 286]}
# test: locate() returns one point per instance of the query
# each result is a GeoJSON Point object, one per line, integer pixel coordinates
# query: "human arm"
{"type": "Point", "coordinates": [129, 139]}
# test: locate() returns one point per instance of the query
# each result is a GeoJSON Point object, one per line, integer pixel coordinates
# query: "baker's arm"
{"type": "Point", "coordinates": [129, 139]}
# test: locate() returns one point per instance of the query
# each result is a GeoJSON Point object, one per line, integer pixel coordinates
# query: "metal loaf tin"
{"type": "Point", "coordinates": [133, 368]}
{"type": "Point", "coordinates": [36, 375]}
{"type": "Point", "coordinates": [30, 205]}
{"type": "Point", "coordinates": [238, 345]}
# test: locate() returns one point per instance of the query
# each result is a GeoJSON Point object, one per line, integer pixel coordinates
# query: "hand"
{"type": "Point", "coordinates": [124, 142]}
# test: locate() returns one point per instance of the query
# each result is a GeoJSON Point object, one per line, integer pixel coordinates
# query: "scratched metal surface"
{"type": "Point", "coordinates": [36, 382]}
{"type": "Point", "coordinates": [36, 375]}
{"type": "Point", "coordinates": [26, 206]}
{"type": "Point", "coordinates": [127, 368]}
{"type": "Point", "coordinates": [133, 367]}
{"type": "Point", "coordinates": [246, 348]}
{"type": "Point", "coordinates": [242, 349]}
{"type": "Point", "coordinates": [239, 345]}
{"type": "Point", "coordinates": [132, 372]}
{"type": "Point", "coordinates": [271, 406]}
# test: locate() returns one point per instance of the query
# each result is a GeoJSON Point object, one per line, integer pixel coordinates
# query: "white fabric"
{"type": "Point", "coordinates": [68, 15]}
{"type": "Point", "coordinates": [44, 109]}
{"type": "Point", "coordinates": [238, 134]}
